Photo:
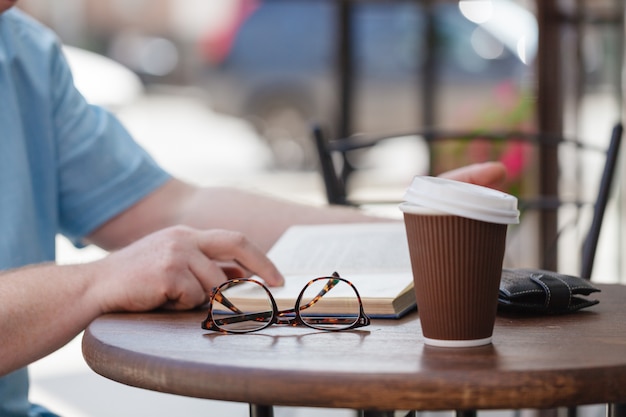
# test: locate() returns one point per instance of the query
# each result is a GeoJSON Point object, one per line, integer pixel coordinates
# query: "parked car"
{"type": "Point", "coordinates": [277, 66]}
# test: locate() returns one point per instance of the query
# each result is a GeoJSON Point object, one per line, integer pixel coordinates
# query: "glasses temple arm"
{"type": "Point", "coordinates": [220, 298]}
{"type": "Point", "coordinates": [244, 317]}
{"type": "Point", "coordinates": [330, 284]}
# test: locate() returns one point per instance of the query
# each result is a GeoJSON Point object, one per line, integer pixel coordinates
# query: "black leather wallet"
{"type": "Point", "coordinates": [543, 292]}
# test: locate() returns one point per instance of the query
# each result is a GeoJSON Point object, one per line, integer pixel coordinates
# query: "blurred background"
{"type": "Point", "coordinates": [273, 63]}
{"type": "Point", "coordinates": [225, 91]}
{"type": "Point", "coordinates": [269, 69]}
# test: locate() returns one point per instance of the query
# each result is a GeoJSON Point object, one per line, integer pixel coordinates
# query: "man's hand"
{"type": "Point", "coordinates": [177, 268]}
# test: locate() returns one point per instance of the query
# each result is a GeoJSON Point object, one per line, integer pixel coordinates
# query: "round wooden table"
{"type": "Point", "coordinates": [534, 362]}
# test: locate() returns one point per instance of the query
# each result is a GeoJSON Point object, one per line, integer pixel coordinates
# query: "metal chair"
{"type": "Point", "coordinates": [339, 168]}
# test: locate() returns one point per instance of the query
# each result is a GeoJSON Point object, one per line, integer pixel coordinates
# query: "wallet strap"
{"type": "Point", "coordinates": [558, 293]}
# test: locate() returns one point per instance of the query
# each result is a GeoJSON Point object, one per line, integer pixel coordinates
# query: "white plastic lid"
{"type": "Point", "coordinates": [462, 199]}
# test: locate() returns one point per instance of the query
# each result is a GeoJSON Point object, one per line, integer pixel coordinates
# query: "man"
{"type": "Point", "coordinates": [68, 167]}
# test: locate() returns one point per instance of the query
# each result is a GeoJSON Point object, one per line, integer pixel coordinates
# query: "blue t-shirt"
{"type": "Point", "coordinates": [65, 166]}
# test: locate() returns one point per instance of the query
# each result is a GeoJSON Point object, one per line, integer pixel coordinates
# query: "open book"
{"type": "Point", "coordinates": [373, 256]}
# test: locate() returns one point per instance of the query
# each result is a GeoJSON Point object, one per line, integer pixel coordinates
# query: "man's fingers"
{"type": "Point", "coordinates": [208, 272]}
{"type": "Point", "coordinates": [488, 174]}
{"type": "Point", "coordinates": [189, 292]}
{"type": "Point", "coordinates": [232, 270]}
{"type": "Point", "coordinates": [224, 245]}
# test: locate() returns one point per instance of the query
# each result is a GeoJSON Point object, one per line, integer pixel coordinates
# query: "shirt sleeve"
{"type": "Point", "coordinates": [101, 170]}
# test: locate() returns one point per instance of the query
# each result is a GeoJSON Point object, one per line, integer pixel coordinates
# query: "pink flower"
{"type": "Point", "coordinates": [514, 158]}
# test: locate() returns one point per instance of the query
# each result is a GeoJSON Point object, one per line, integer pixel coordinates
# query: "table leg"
{"type": "Point", "coordinates": [466, 413]}
{"type": "Point", "coordinates": [616, 410]}
{"type": "Point", "coordinates": [261, 410]}
{"type": "Point", "coordinates": [371, 413]}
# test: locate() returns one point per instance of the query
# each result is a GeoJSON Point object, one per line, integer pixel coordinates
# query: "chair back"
{"type": "Point", "coordinates": [338, 168]}
{"type": "Point", "coordinates": [604, 191]}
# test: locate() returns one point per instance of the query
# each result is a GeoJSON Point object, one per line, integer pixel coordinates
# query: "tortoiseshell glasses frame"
{"type": "Point", "coordinates": [238, 321]}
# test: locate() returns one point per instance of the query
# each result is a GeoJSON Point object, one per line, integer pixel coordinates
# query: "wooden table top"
{"type": "Point", "coordinates": [534, 362]}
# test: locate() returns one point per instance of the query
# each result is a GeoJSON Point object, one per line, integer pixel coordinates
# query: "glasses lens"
{"type": "Point", "coordinates": [228, 313]}
{"type": "Point", "coordinates": [329, 304]}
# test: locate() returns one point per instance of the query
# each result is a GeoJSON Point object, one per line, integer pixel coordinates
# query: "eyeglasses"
{"type": "Point", "coordinates": [245, 305]}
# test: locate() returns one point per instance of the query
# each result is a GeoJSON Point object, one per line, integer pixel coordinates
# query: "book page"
{"type": "Point", "coordinates": [345, 248]}
{"type": "Point", "coordinates": [373, 256]}
{"type": "Point", "coordinates": [379, 286]}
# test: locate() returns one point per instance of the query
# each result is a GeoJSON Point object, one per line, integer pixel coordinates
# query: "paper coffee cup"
{"type": "Point", "coordinates": [457, 236]}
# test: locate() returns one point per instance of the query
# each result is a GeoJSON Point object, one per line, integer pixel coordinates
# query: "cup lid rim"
{"type": "Point", "coordinates": [462, 199]}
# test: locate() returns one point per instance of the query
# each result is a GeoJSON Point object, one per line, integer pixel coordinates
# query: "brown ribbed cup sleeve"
{"type": "Point", "coordinates": [457, 264]}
